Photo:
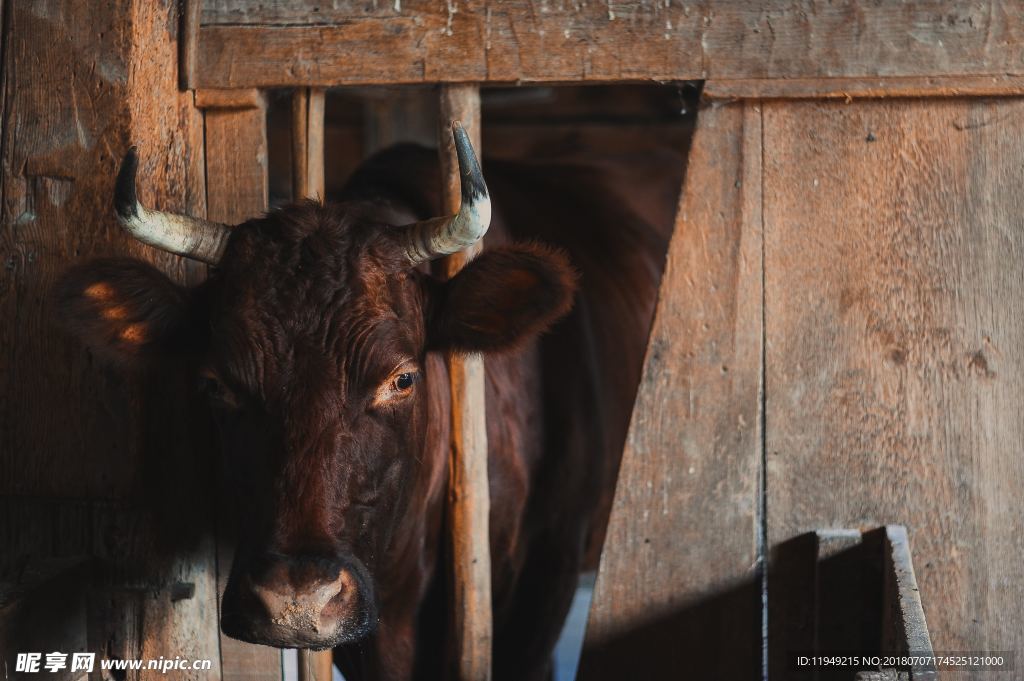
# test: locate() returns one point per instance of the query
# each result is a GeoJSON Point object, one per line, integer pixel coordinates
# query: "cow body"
{"type": "Point", "coordinates": [557, 408]}
{"type": "Point", "coordinates": [324, 360]}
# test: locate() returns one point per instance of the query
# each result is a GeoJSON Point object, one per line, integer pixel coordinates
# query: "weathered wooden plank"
{"type": "Point", "coordinates": [207, 98]}
{"type": "Point", "coordinates": [72, 430]}
{"type": "Point", "coordinates": [894, 265]}
{"type": "Point", "coordinates": [844, 591]}
{"type": "Point", "coordinates": [315, 665]}
{"type": "Point", "coordinates": [315, 140]}
{"type": "Point", "coordinates": [300, 143]}
{"type": "Point", "coordinates": [188, 44]}
{"type": "Point", "coordinates": [236, 163]}
{"type": "Point", "coordinates": [236, 190]}
{"type": "Point", "coordinates": [904, 628]}
{"type": "Point", "coordinates": [678, 586]}
{"type": "Point", "coordinates": [468, 491]}
{"type": "Point", "coordinates": [486, 41]}
{"type": "Point", "coordinates": [68, 429]}
{"type": "Point", "coordinates": [298, 12]}
{"type": "Point", "coordinates": [308, 143]}
{"type": "Point", "coordinates": [865, 88]}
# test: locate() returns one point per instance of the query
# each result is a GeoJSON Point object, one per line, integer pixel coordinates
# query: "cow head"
{"type": "Point", "coordinates": [310, 339]}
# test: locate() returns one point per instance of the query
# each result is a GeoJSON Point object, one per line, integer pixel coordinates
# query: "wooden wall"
{"type": "Point", "coordinates": [79, 443]}
{"type": "Point", "coordinates": [247, 43]}
{"type": "Point", "coordinates": [837, 345]}
{"type": "Point", "coordinates": [837, 342]}
{"type": "Point", "coordinates": [894, 309]}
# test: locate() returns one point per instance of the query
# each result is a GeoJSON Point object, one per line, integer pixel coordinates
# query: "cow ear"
{"type": "Point", "coordinates": [501, 299]}
{"type": "Point", "coordinates": [125, 311]}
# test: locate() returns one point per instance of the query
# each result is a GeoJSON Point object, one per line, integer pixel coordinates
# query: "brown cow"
{"type": "Point", "coordinates": [320, 342]}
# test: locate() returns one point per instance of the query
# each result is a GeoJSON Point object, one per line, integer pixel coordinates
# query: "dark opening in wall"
{"type": "Point", "coordinates": [520, 123]}
{"type": "Point", "coordinates": [548, 141]}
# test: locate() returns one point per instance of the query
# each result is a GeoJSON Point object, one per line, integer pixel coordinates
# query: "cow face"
{"type": "Point", "coordinates": [311, 339]}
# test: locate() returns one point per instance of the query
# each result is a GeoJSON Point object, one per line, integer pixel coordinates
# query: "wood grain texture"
{"type": "Point", "coordinates": [247, 44]}
{"type": "Point", "coordinates": [229, 99]}
{"type": "Point", "coordinates": [188, 45]}
{"type": "Point", "coordinates": [236, 190]}
{"type": "Point", "coordinates": [894, 262]}
{"type": "Point", "coordinates": [468, 489]}
{"type": "Point", "coordinates": [236, 163]}
{"type": "Point", "coordinates": [865, 88]}
{"type": "Point", "coordinates": [315, 665]}
{"type": "Point", "coordinates": [300, 143]}
{"type": "Point", "coordinates": [81, 83]}
{"type": "Point", "coordinates": [677, 588]}
{"type": "Point", "coordinates": [315, 140]}
{"type": "Point", "coordinates": [308, 143]}
{"type": "Point", "coordinates": [905, 627]}
{"type": "Point", "coordinates": [293, 12]}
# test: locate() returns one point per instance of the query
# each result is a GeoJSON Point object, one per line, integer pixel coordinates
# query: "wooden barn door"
{"type": "Point", "coordinates": [837, 344]}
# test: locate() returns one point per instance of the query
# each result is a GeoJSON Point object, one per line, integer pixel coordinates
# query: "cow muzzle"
{"type": "Point", "coordinates": [298, 602]}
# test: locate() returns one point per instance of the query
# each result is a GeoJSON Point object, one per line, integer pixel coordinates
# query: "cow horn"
{"type": "Point", "coordinates": [438, 237]}
{"type": "Point", "coordinates": [179, 234]}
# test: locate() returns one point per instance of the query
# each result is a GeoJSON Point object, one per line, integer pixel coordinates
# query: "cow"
{"type": "Point", "coordinates": [320, 340]}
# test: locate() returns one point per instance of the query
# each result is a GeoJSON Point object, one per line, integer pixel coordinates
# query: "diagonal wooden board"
{"type": "Point", "coordinates": [678, 585]}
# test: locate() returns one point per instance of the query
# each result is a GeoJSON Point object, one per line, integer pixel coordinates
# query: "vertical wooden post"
{"type": "Point", "coordinates": [236, 190]}
{"type": "Point", "coordinates": [308, 143]}
{"type": "Point", "coordinates": [188, 43]}
{"type": "Point", "coordinates": [308, 182]}
{"type": "Point", "coordinates": [315, 665]}
{"type": "Point", "coordinates": [468, 495]}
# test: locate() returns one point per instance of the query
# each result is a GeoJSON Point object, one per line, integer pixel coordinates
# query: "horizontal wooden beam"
{"type": "Point", "coordinates": [249, 98]}
{"type": "Point", "coordinates": [484, 41]}
{"type": "Point", "coordinates": [865, 88]}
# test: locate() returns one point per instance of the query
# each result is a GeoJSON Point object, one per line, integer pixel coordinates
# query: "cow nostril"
{"type": "Point", "coordinates": [325, 592]}
{"type": "Point", "coordinates": [318, 609]}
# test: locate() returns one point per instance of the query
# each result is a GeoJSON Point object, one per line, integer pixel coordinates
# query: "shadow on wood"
{"type": "Point", "coordinates": [835, 592]}
{"type": "Point", "coordinates": [676, 644]}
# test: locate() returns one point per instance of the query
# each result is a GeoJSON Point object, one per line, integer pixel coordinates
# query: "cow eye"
{"type": "Point", "coordinates": [396, 387]}
{"type": "Point", "coordinates": [215, 391]}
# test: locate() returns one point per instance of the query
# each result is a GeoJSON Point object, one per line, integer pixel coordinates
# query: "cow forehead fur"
{"type": "Point", "coordinates": [314, 291]}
